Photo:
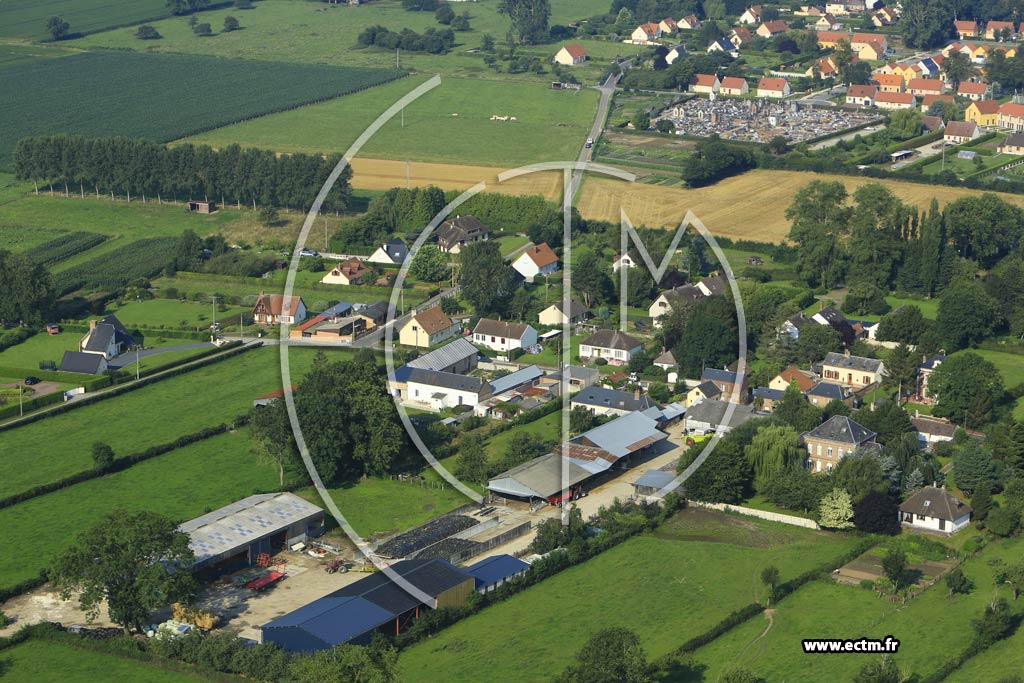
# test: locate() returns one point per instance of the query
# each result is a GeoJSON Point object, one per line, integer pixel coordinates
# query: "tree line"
{"type": "Point", "coordinates": [120, 165]}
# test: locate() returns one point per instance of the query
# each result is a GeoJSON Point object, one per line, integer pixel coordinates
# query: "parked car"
{"type": "Point", "coordinates": [309, 252]}
{"type": "Point", "coordinates": [590, 142]}
{"type": "Point", "coordinates": [29, 381]}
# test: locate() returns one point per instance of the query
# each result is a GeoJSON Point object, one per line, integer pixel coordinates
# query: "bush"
{"type": "Point", "coordinates": [1003, 521]}
{"type": "Point", "coordinates": [601, 361]}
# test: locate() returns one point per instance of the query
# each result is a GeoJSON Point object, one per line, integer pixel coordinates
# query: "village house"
{"type": "Point", "coordinates": [863, 95]}
{"type": "Point", "coordinates": [427, 328]}
{"type": "Point", "coordinates": [727, 382]}
{"type": "Point", "coordinates": [668, 25]}
{"type": "Point", "coordinates": [765, 399]}
{"type": "Point", "coordinates": [884, 17]}
{"type": "Point", "coordinates": [924, 372]}
{"type": "Point", "coordinates": [275, 309]}
{"type": "Point", "coordinates": [790, 375]}
{"type": "Point", "coordinates": [348, 272]}
{"type": "Point", "coordinates": [536, 260]}
{"type": "Point", "coordinates": [704, 83]}
{"type": "Point", "coordinates": [665, 360]}
{"type": "Point", "coordinates": [827, 22]}
{"type": "Point", "coordinates": [1000, 30]}
{"type": "Point", "coordinates": [740, 36]}
{"type": "Point", "coordinates": [735, 86]}
{"type": "Point", "coordinates": [1011, 115]}
{"type": "Point", "coordinates": [966, 29]}
{"type": "Point", "coordinates": [929, 100]}
{"type": "Point", "coordinates": [773, 87]}
{"type": "Point", "coordinates": [869, 46]}
{"type": "Point", "coordinates": [830, 39]}
{"type": "Point", "coordinates": [705, 391]}
{"type": "Point", "coordinates": [713, 415]}
{"type": "Point", "coordinates": [919, 87]}
{"type": "Point", "coordinates": [622, 261]}
{"type": "Point", "coordinates": [979, 53]}
{"type": "Point", "coordinates": [838, 8]}
{"type": "Point", "coordinates": [888, 82]}
{"type": "Point", "coordinates": [722, 45]}
{"type": "Point", "coordinates": [1013, 144]}
{"type": "Point", "coordinates": [823, 68]}
{"type": "Point", "coordinates": [933, 430]}
{"type": "Point", "coordinates": [750, 16]}
{"type": "Point", "coordinates": [935, 509]}
{"type": "Point", "coordinates": [808, 11]}
{"type": "Point", "coordinates": [571, 55]}
{"type": "Point", "coordinates": [932, 123]}
{"type": "Point", "coordinates": [833, 440]}
{"type": "Point", "coordinates": [502, 336]}
{"type": "Point", "coordinates": [973, 91]}
{"type": "Point", "coordinates": [677, 295]}
{"type": "Point", "coordinates": [675, 53]}
{"type": "Point", "coordinates": [852, 371]}
{"type": "Point", "coordinates": [959, 132]}
{"type": "Point", "coordinates": [392, 253]}
{"type": "Point", "coordinates": [689, 23]}
{"type": "Point", "coordinates": [770, 29]}
{"type": "Point", "coordinates": [895, 100]}
{"type": "Point", "coordinates": [614, 346]}
{"type": "Point", "coordinates": [823, 393]}
{"type": "Point", "coordinates": [435, 390]}
{"type": "Point", "coordinates": [601, 401]}
{"type": "Point", "coordinates": [106, 337]}
{"type": "Point", "coordinates": [646, 33]}
{"type": "Point", "coordinates": [554, 315]}
{"type": "Point", "coordinates": [984, 113]}
{"type": "Point", "coordinates": [457, 232]}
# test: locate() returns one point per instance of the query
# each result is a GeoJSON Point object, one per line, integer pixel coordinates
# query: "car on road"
{"type": "Point", "coordinates": [590, 143]}
{"type": "Point", "coordinates": [309, 252]}
{"type": "Point", "coordinates": [29, 381]}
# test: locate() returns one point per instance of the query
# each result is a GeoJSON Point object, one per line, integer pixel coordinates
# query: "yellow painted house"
{"type": "Point", "coordinates": [427, 328]}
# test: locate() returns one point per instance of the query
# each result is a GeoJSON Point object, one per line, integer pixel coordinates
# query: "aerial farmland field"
{"type": "Point", "coordinates": [27, 18]}
{"type": "Point", "coordinates": [162, 105]}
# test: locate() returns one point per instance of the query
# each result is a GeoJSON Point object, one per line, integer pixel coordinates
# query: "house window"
{"type": "Point", "coordinates": [830, 451]}
{"type": "Point", "coordinates": [828, 467]}
{"type": "Point", "coordinates": [921, 518]}
{"type": "Point", "coordinates": [819, 450]}
{"type": "Point", "coordinates": [867, 380]}
{"type": "Point", "coordinates": [942, 525]}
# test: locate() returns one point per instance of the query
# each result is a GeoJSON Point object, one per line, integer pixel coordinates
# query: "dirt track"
{"type": "Point", "coordinates": [381, 174]}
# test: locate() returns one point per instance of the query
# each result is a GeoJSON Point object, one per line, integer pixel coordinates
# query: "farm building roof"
{"type": "Point", "coordinates": [433, 577]}
{"type": "Point", "coordinates": [655, 479]}
{"type": "Point", "coordinates": [245, 521]}
{"type": "Point", "coordinates": [445, 380]}
{"type": "Point", "coordinates": [515, 379]}
{"type": "Point", "coordinates": [712, 412]}
{"type": "Point", "coordinates": [623, 435]}
{"type": "Point", "coordinates": [333, 620]}
{"type": "Point", "coordinates": [492, 570]}
{"type": "Point", "coordinates": [445, 356]}
{"type": "Point", "coordinates": [538, 478]}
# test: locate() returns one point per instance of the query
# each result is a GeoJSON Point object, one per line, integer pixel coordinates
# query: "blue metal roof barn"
{"type": "Point", "coordinates": [325, 623]}
{"type": "Point", "coordinates": [491, 572]}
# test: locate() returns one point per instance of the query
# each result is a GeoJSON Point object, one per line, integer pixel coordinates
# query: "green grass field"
{"type": "Point", "coordinates": [1011, 367]}
{"type": "Point", "coordinates": [450, 124]}
{"type": "Point", "coordinates": [27, 18]}
{"type": "Point", "coordinates": [547, 427]}
{"type": "Point", "coordinates": [811, 613]}
{"type": "Point", "coordinates": [667, 587]}
{"type": "Point", "coordinates": [35, 661]}
{"type": "Point", "coordinates": [134, 421]}
{"type": "Point", "coordinates": [39, 347]}
{"type": "Point", "coordinates": [13, 53]}
{"type": "Point", "coordinates": [182, 484]}
{"type": "Point", "coordinates": [297, 31]}
{"type": "Point", "coordinates": [172, 313]}
{"type": "Point", "coordinates": [999, 662]}
{"type": "Point", "coordinates": [152, 108]}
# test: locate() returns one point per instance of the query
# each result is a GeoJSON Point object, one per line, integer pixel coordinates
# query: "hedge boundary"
{"type": "Point", "coordinates": [231, 352]}
{"type": "Point", "coordinates": [122, 464]}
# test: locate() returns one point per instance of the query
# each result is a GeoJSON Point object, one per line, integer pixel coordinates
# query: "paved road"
{"type": "Point", "coordinates": [606, 89]}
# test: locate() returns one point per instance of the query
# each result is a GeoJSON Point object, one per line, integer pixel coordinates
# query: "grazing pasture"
{"type": "Point", "coordinates": [171, 95]}
{"type": "Point", "coordinates": [451, 123]}
{"type": "Point", "coordinates": [668, 587]}
{"type": "Point", "coordinates": [40, 660]}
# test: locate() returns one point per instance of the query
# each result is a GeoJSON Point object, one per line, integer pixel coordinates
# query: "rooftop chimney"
{"type": "Point", "coordinates": [636, 393]}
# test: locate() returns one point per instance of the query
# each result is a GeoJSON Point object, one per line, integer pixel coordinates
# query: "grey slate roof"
{"type": "Point", "coordinates": [446, 380]}
{"type": "Point", "coordinates": [860, 363]}
{"type": "Point", "coordinates": [768, 393]}
{"type": "Point", "coordinates": [80, 362]}
{"type": "Point", "coordinates": [933, 362]}
{"type": "Point", "coordinates": [665, 358]}
{"type": "Point", "coordinates": [576, 308]}
{"type": "Point", "coordinates": [621, 436]}
{"type": "Point", "coordinates": [716, 375]}
{"type": "Point", "coordinates": [683, 293]}
{"type": "Point", "coordinates": [610, 398]}
{"type": "Point", "coordinates": [108, 329]}
{"type": "Point", "coordinates": [514, 379]}
{"type": "Point", "coordinates": [709, 389]}
{"type": "Point", "coordinates": [935, 502]}
{"type": "Point", "coordinates": [927, 425]}
{"type": "Point", "coordinates": [841, 429]}
{"type": "Point", "coordinates": [828, 390]}
{"type": "Point", "coordinates": [716, 284]}
{"type": "Point", "coordinates": [500, 328]}
{"type": "Point", "coordinates": [712, 412]}
{"type": "Point", "coordinates": [611, 339]}
{"type": "Point", "coordinates": [445, 356]}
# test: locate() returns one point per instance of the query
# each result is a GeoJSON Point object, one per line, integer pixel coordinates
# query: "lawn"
{"type": "Point", "coordinates": [1011, 367]}
{"type": "Point", "coordinates": [173, 313]}
{"type": "Point", "coordinates": [161, 103]}
{"type": "Point", "coordinates": [182, 484]}
{"type": "Point", "coordinates": [298, 31]}
{"type": "Point", "coordinates": [511, 243]}
{"type": "Point", "coordinates": [132, 422]}
{"type": "Point", "coordinates": [382, 506]}
{"type": "Point", "coordinates": [548, 427]}
{"type": "Point", "coordinates": [667, 587]}
{"type": "Point", "coordinates": [449, 124]}
{"type": "Point", "coordinates": [42, 347]}
{"type": "Point", "coordinates": [1000, 662]}
{"type": "Point", "coordinates": [12, 53]}
{"type": "Point", "coordinates": [811, 613]}
{"type": "Point", "coordinates": [40, 660]}
{"type": "Point", "coordinates": [726, 207]}
{"type": "Point", "coordinates": [27, 18]}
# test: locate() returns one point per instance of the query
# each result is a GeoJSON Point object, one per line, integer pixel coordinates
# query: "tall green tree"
{"type": "Point", "coordinates": [471, 463]}
{"type": "Point", "coordinates": [272, 438]}
{"type": "Point", "coordinates": [57, 27]}
{"type": "Point", "coordinates": [836, 510]}
{"type": "Point", "coordinates": [876, 225]}
{"type": "Point", "coordinates": [901, 368]}
{"type": "Point", "coordinates": [974, 469]}
{"type": "Point", "coordinates": [430, 264]}
{"type": "Point", "coordinates": [957, 67]}
{"type": "Point", "coordinates": [858, 475]}
{"type": "Point", "coordinates": [485, 278]}
{"type": "Point", "coordinates": [27, 288]}
{"type": "Point", "coordinates": [967, 314]}
{"type": "Point", "coordinates": [529, 19]}
{"type": "Point", "coordinates": [773, 448]}
{"type": "Point", "coordinates": [590, 278]}
{"type": "Point", "coordinates": [136, 562]}
{"type": "Point", "coordinates": [724, 477]}
{"type": "Point", "coordinates": [346, 664]}
{"type": "Point", "coordinates": [969, 389]}
{"type": "Point", "coordinates": [819, 219]}
{"type": "Point", "coordinates": [881, 671]}
{"type": "Point", "coordinates": [926, 23]}
{"type": "Point", "coordinates": [794, 410]}
{"type": "Point", "coordinates": [611, 655]}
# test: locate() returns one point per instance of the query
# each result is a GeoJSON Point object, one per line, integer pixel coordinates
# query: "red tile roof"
{"type": "Point", "coordinates": [575, 50]}
{"type": "Point", "coordinates": [433, 320]}
{"type": "Point", "coordinates": [706, 80]}
{"type": "Point", "coordinates": [894, 98]}
{"type": "Point", "coordinates": [925, 84]}
{"type": "Point", "coordinates": [987, 106]}
{"type": "Point", "coordinates": [772, 84]}
{"type": "Point", "coordinates": [862, 91]}
{"type": "Point", "coordinates": [542, 255]}
{"type": "Point", "coordinates": [968, 88]}
{"type": "Point", "coordinates": [733, 82]}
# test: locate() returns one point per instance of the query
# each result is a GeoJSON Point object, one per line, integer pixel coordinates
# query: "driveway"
{"type": "Point", "coordinates": [126, 359]}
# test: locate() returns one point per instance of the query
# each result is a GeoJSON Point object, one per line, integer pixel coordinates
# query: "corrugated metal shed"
{"type": "Point", "coordinates": [446, 356]}
{"type": "Point", "coordinates": [492, 571]}
{"type": "Point", "coordinates": [325, 623]}
{"type": "Point", "coordinates": [514, 379]}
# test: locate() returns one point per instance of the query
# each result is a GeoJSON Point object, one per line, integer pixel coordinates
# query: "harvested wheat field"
{"type": "Point", "coordinates": [382, 174]}
{"type": "Point", "coordinates": [750, 206]}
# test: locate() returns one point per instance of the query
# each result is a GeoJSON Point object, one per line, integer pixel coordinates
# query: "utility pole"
{"type": "Point", "coordinates": [397, 50]}
{"type": "Point", "coordinates": [241, 328]}
{"type": "Point", "coordinates": [21, 401]}
{"type": "Point", "coordinates": [136, 363]}
{"type": "Point", "coordinates": [407, 174]}
{"type": "Point", "coordinates": [213, 328]}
